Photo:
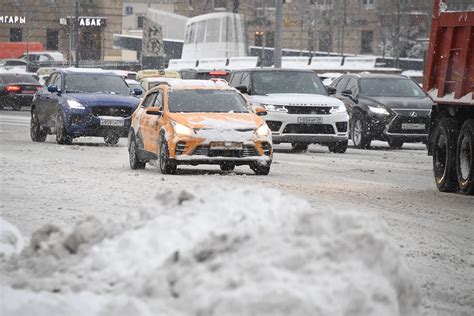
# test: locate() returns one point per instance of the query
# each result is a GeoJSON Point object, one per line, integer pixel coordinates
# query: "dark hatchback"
{"type": "Point", "coordinates": [81, 102]}
{"type": "Point", "coordinates": [17, 90]}
{"type": "Point", "coordinates": [383, 107]}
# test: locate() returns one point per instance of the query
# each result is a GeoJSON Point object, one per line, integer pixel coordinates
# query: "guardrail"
{"type": "Point", "coordinates": [118, 65]}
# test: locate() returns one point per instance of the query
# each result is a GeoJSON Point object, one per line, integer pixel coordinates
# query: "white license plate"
{"type": "Point", "coordinates": [310, 120]}
{"type": "Point", "coordinates": [28, 92]}
{"type": "Point", "coordinates": [413, 126]}
{"type": "Point", "coordinates": [112, 122]}
{"type": "Point", "coordinates": [226, 145]}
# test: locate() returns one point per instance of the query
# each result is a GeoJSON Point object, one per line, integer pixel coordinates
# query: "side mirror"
{"type": "Point", "coordinates": [53, 89]}
{"type": "Point", "coordinates": [331, 90]}
{"type": "Point", "coordinates": [242, 89]}
{"type": "Point", "coordinates": [260, 111]}
{"type": "Point", "coordinates": [154, 111]}
{"type": "Point", "coordinates": [137, 91]}
{"type": "Point", "coordinates": [347, 93]}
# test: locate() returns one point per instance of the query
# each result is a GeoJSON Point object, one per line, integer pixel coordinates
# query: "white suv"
{"type": "Point", "coordinates": [300, 111]}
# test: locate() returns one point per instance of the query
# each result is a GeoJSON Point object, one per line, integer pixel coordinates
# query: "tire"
{"type": "Point", "coordinates": [395, 143]}
{"type": "Point", "coordinates": [227, 166]}
{"type": "Point", "coordinates": [111, 139]}
{"type": "Point", "coordinates": [360, 132]}
{"type": "Point", "coordinates": [37, 132]}
{"type": "Point", "coordinates": [465, 158]}
{"type": "Point", "coordinates": [338, 147]}
{"type": "Point", "coordinates": [62, 136]}
{"type": "Point", "coordinates": [167, 166]}
{"type": "Point", "coordinates": [135, 163]}
{"type": "Point", "coordinates": [16, 106]}
{"type": "Point", "coordinates": [260, 170]}
{"type": "Point", "coordinates": [299, 147]}
{"type": "Point", "coordinates": [444, 155]}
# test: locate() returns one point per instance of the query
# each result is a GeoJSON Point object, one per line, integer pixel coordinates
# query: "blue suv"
{"type": "Point", "coordinates": [78, 102]}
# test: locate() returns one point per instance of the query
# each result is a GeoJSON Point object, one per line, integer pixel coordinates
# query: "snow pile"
{"type": "Point", "coordinates": [213, 251]}
{"type": "Point", "coordinates": [11, 241]}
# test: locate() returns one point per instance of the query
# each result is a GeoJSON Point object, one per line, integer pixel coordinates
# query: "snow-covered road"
{"type": "Point", "coordinates": [49, 183]}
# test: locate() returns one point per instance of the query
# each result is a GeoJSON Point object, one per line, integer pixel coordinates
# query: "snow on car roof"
{"type": "Point", "coordinates": [88, 70]}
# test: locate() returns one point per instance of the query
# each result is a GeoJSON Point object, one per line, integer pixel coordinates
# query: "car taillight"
{"type": "Point", "coordinates": [13, 88]}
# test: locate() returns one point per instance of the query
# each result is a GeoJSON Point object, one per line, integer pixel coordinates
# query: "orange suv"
{"type": "Point", "coordinates": [191, 122]}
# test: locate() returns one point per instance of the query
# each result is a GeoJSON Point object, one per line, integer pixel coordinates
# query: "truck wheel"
{"type": "Point", "coordinates": [260, 170]}
{"type": "Point", "coordinates": [37, 133]}
{"type": "Point", "coordinates": [135, 163]}
{"type": "Point", "coordinates": [338, 147]}
{"type": "Point", "coordinates": [111, 139]}
{"type": "Point", "coordinates": [395, 143]}
{"type": "Point", "coordinates": [227, 166]}
{"type": "Point", "coordinates": [298, 147]}
{"type": "Point", "coordinates": [62, 136]}
{"type": "Point", "coordinates": [167, 166]}
{"type": "Point", "coordinates": [360, 131]}
{"type": "Point", "coordinates": [444, 155]}
{"type": "Point", "coordinates": [465, 158]}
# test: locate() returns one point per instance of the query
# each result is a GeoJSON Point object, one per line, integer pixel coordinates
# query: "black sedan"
{"type": "Point", "coordinates": [17, 90]}
{"type": "Point", "coordinates": [383, 107]}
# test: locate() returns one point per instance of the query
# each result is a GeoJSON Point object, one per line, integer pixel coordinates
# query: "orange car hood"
{"type": "Point", "coordinates": [218, 120]}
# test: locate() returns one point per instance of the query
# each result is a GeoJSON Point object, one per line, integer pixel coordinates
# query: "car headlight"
{"type": "Point", "coordinates": [73, 104]}
{"type": "Point", "coordinates": [263, 130]}
{"type": "Point", "coordinates": [274, 108]}
{"type": "Point", "coordinates": [378, 110]}
{"type": "Point", "coordinates": [182, 130]}
{"type": "Point", "coordinates": [337, 109]}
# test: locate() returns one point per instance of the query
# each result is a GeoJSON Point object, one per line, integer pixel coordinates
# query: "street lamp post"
{"type": "Point", "coordinates": [278, 32]}
{"type": "Point", "coordinates": [76, 33]}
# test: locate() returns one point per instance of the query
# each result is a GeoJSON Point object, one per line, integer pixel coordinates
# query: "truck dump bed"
{"type": "Point", "coordinates": [449, 69]}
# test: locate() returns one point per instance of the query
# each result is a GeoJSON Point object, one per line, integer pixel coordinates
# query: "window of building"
{"type": "Point", "coordinates": [325, 41]}
{"type": "Point", "coordinates": [16, 34]}
{"type": "Point", "coordinates": [219, 5]}
{"type": "Point", "coordinates": [140, 20]}
{"type": "Point", "coordinates": [52, 39]}
{"type": "Point", "coordinates": [258, 38]}
{"type": "Point", "coordinates": [265, 4]}
{"type": "Point", "coordinates": [270, 39]}
{"type": "Point", "coordinates": [369, 4]}
{"type": "Point", "coordinates": [367, 41]}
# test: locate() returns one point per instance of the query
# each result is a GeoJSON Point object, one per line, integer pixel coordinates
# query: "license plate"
{"type": "Point", "coordinates": [413, 126]}
{"type": "Point", "coordinates": [226, 145]}
{"type": "Point", "coordinates": [112, 122]}
{"type": "Point", "coordinates": [28, 92]}
{"type": "Point", "coordinates": [310, 120]}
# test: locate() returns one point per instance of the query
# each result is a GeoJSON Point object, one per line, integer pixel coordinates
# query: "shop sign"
{"type": "Point", "coordinates": [12, 19]}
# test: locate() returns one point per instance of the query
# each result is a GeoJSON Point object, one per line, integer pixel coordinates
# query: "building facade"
{"type": "Point", "coordinates": [51, 22]}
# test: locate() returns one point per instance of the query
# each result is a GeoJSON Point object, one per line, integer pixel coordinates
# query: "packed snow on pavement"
{"type": "Point", "coordinates": [211, 251]}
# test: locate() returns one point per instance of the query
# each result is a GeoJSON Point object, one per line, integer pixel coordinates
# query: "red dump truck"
{"type": "Point", "coordinates": [449, 80]}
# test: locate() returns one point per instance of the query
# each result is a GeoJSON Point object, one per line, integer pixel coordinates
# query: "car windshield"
{"type": "Point", "coordinates": [209, 101]}
{"type": "Point", "coordinates": [96, 83]}
{"type": "Point", "coordinates": [287, 82]}
{"type": "Point", "coordinates": [17, 78]}
{"type": "Point", "coordinates": [390, 87]}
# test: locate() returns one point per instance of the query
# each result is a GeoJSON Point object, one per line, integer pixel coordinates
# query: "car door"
{"type": "Point", "coordinates": [53, 99]}
{"type": "Point", "coordinates": [349, 101]}
{"type": "Point", "coordinates": [42, 97]}
{"type": "Point", "coordinates": [151, 123]}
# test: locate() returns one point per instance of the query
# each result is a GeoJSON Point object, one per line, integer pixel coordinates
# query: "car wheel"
{"type": "Point", "coordinates": [260, 170]}
{"type": "Point", "coordinates": [338, 147]}
{"type": "Point", "coordinates": [16, 106]}
{"type": "Point", "coordinates": [227, 166]}
{"type": "Point", "coordinates": [62, 136]}
{"type": "Point", "coordinates": [167, 166]}
{"type": "Point", "coordinates": [395, 143]}
{"type": "Point", "coordinates": [298, 147]}
{"type": "Point", "coordinates": [444, 155]}
{"type": "Point", "coordinates": [37, 133]}
{"type": "Point", "coordinates": [135, 163]}
{"type": "Point", "coordinates": [359, 131]}
{"type": "Point", "coordinates": [111, 139]}
{"type": "Point", "coordinates": [465, 158]}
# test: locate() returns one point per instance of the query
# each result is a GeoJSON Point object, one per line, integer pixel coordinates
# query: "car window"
{"type": "Point", "coordinates": [341, 85]}
{"type": "Point", "coordinates": [390, 87]}
{"type": "Point", "coordinates": [43, 58]}
{"type": "Point", "coordinates": [158, 102]}
{"type": "Point", "coordinates": [207, 101]}
{"type": "Point", "coordinates": [245, 81]}
{"type": "Point", "coordinates": [282, 81]}
{"type": "Point", "coordinates": [149, 100]}
{"type": "Point", "coordinates": [50, 79]}
{"type": "Point", "coordinates": [235, 80]}
{"type": "Point", "coordinates": [17, 78]}
{"type": "Point", "coordinates": [351, 85]}
{"type": "Point", "coordinates": [57, 81]}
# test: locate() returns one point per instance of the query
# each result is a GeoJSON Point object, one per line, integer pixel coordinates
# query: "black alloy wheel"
{"type": "Point", "coordinates": [444, 155]}
{"type": "Point", "coordinates": [395, 143]}
{"type": "Point", "coordinates": [338, 147]}
{"type": "Point", "coordinates": [62, 136]}
{"type": "Point", "coordinates": [299, 147]}
{"type": "Point", "coordinates": [360, 132]}
{"type": "Point", "coordinates": [37, 132]}
{"type": "Point", "coordinates": [167, 166]}
{"type": "Point", "coordinates": [465, 158]}
{"type": "Point", "coordinates": [227, 166]}
{"type": "Point", "coordinates": [133, 159]}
